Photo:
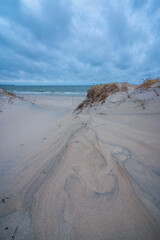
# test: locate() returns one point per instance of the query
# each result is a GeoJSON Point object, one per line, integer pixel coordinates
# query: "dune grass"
{"type": "Point", "coordinates": [9, 94]}
{"type": "Point", "coordinates": [148, 83]}
{"type": "Point", "coordinates": [99, 93]}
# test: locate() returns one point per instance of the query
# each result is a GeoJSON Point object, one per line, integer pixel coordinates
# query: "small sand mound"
{"type": "Point", "coordinates": [9, 94]}
{"type": "Point", "coordinates": [7, 97]}
{"type": "Point", "coordinates": [99, 93]}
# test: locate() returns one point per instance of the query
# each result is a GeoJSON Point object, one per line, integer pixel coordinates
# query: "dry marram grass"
{"type": "Point", "coordinates": [148, 83]}
{"type": "Point", "coordinates": [99, 93]}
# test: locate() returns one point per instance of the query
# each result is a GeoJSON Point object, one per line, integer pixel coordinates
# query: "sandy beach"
{"type": "Point", "coordinates": [92, 174]}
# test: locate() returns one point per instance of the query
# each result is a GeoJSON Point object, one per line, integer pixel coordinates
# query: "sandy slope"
{"type": "Point", "coordinates": [94, 177]}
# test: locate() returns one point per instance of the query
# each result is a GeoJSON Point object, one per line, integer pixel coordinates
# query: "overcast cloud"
{"type": "Point", "coordinates": [79, 41]}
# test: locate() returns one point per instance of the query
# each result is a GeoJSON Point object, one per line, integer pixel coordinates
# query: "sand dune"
{"type": "Point", "coordinates": [93, 175]}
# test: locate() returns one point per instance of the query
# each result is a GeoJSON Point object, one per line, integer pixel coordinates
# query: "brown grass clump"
{"type": "Point", "coordinates": [99, 93]}
{"type": "Point", "coordinates": [9, 94]}
{"type": "Point", "coordinates": [148, 83]}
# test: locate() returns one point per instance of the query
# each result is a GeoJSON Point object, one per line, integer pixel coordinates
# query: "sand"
{"type": "Point", "coordinates": [93, 175]}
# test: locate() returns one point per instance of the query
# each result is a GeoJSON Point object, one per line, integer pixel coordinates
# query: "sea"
{"type": "Point", "coordinates": [69, 90]}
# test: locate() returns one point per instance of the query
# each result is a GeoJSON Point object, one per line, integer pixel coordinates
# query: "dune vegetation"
{"type": "Point", "coordinates": [99, 93]}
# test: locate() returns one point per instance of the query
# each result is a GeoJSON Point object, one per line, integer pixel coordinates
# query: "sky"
{"type": "Point", "coordinates": [79, 41]}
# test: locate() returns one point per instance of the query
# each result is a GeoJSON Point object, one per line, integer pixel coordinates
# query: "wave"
{"type": "Point", "coordinates": [50, 93]}
{"type": "Point", "coordinates": [30, 92]}
{"type": "Point", "coordinates": [70, 93]}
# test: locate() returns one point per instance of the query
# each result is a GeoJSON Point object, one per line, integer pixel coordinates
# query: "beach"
{"type": "Point", "coordinates": [91, 174]}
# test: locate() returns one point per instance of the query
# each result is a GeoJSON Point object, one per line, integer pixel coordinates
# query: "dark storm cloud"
{"type": "Point", "coordinates": [85, 41]}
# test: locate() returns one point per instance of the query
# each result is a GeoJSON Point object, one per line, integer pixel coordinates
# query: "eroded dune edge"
{"type": "Point", "coordinates": [95, 173]}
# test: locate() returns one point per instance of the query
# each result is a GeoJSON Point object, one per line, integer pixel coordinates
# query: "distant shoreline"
{"type": "Point", "coordinates": [68, 90]}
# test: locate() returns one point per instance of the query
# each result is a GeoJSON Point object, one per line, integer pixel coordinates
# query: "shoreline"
{"type": "Point", "coordinates": [54, 90]}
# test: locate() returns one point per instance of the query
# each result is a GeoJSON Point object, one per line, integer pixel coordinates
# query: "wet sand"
{"type": "Point", "coordinates": [93, 175]}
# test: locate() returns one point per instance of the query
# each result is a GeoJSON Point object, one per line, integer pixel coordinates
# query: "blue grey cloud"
{"type": "Point", "coordinates": [74, 42]}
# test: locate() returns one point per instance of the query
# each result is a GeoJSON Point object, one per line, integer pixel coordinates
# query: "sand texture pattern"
{"type": "Point", "coordinates": [93, 176]}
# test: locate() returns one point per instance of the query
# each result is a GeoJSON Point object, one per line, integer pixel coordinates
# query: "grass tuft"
{"type": "Point", "coordinates": [9, 94]}
{"type": "Point", "coordinates": [99, 93]}
{"type": "Point", "coordinates": [148, 83]}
